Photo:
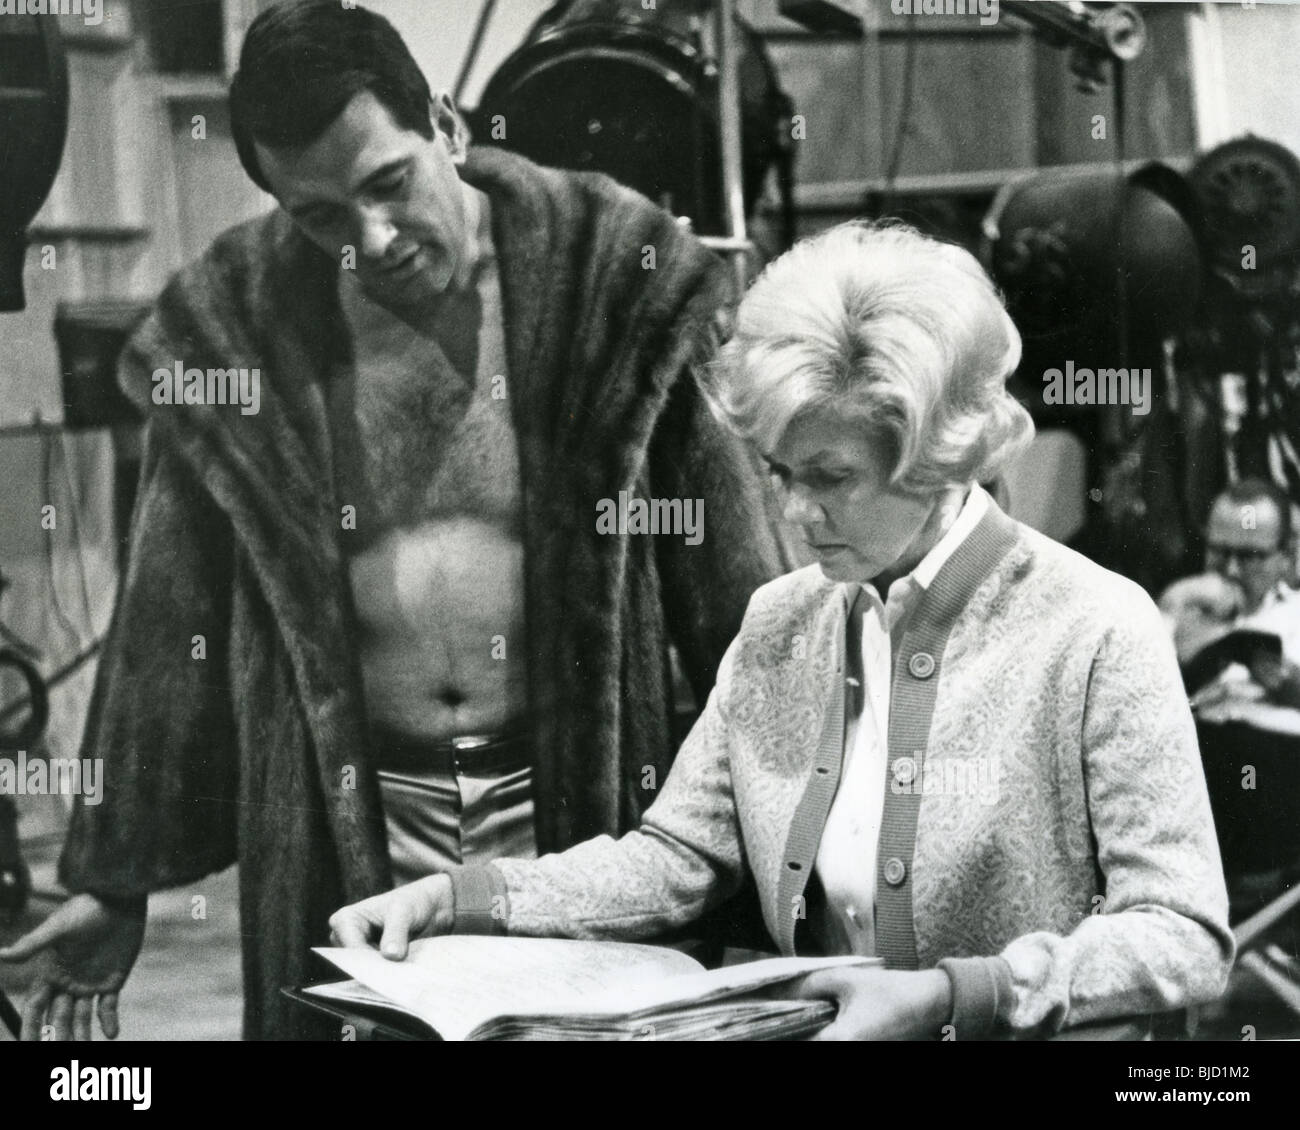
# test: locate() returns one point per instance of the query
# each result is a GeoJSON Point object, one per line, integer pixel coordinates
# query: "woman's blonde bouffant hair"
{"type": "Point", "coordinates": [881, 323]}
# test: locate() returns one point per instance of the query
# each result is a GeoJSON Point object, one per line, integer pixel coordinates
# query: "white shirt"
{"type": "Point", "coordinates": [846, 856]}
{"type": "Point", "coordinates": [1278, 612]}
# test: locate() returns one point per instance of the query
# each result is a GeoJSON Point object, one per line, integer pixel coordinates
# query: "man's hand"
{"type": "Point", "coordinates": [1279, 678]}
{"type": "Point", "coordinates": [1207, 594]}
{"type": "Point", "coordinates": [1202, 609]}
{"type": "Point", "coordinates": [85, 951]}
{"type": "Point", "coordinates": [879, 1004]}
{"type": "Point", "coordinates": [418, 909]}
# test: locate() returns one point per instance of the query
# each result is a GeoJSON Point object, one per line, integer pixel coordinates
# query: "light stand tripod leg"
{"type": "Point", "coordinates": [733, 186]}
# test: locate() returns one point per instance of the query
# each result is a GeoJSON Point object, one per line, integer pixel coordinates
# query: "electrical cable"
{"type": "Point", "coordinates": [904, 109]}
{"type": "Point", "coordinates": [63, 673]}
{"type": "Point", "coordinates": [47, 485]}
{"type": "Point", "coordinates": [38, 702]}
{"type": "Point", "coordinates": [79, 546]}
{"type": "Point", "coordinates": [877, 200]}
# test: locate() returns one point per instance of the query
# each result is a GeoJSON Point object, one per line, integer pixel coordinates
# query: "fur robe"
{"type": "Point", "coordinates": [257, 751]}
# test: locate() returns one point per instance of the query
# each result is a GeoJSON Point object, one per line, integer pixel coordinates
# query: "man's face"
{"type": "Point", "coordinates": [392, 195]}
{"type": "Point", "coordinates": [1242, 546]}
{"type": "Point", "coordinates": [834, 484]}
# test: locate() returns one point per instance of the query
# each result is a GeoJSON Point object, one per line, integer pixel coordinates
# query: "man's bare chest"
{"type": "Point", "coordinates": [430, 422]}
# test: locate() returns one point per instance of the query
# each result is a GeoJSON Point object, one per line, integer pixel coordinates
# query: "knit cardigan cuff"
{"type": "Point", "coordinates": [982, 996]}
{"type": "Point", "coordinates": [480, 904]}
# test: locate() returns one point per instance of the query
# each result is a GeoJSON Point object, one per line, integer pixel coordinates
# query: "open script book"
{"type": "Point", "coordinates": [468, 987]}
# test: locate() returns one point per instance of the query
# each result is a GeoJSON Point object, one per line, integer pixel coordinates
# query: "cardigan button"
{"type": "Point", "coordinates": [921, 665]}
{"type": "Point", "coordinates": [895, 871]}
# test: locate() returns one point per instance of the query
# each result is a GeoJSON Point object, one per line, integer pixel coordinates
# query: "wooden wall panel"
{"type": "Point", "coordinates": [972, 104]}
{"type": "Point", "coordinates": [985, 98]}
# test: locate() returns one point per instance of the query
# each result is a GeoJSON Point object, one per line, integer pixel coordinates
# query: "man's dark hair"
{"type": "Point", "coordinates": [1252, 490]}
{"type": "Point", "coordinates": [302, 63]}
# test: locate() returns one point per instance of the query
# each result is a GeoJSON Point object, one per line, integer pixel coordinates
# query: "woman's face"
{"type": "Point", "coordinates": [833, 479]}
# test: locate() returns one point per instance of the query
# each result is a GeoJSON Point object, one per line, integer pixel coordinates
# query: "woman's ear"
{"type": "Point", "coordinates": [451, 125]}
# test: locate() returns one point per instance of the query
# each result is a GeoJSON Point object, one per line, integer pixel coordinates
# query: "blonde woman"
{"type": "Point", "coordinates": [951, 743]}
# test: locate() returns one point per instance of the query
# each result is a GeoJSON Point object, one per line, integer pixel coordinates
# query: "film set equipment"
{"type": "Point", "coordinates": [1103, 270]}
{"type": "Point", "coordinates": [1249, 191]}
{"type": "Point", "coordinates": [15, 878]}
{"type": "Point", "coordinates": [1058, 241]}
{"type": "Point", "coordinates": [22, 725]}
{"type": "Point", "coordinates": [1243, 354]}
{"type": "Point", "coordinates": [823, 17]}
{"type": "Point", "coordinates": [1100, 272]}
{"type": "Point", "coordinates": [33, 128]}
{"type": "Point", "coordinates": [1093, 34]}
{"type": "Point", "coordinates": [601, 85]}
{"type": "Point", "coordinates": [35, 715]}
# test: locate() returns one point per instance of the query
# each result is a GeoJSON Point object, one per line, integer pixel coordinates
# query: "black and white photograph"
{"type": "Point", "coordinates": [650, 520]}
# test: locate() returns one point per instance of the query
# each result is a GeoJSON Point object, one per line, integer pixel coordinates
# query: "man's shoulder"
{"type": "Point", "coordinates": [256, 278]}
{"type": "Point", "coordinates": [240, 268]}
{"type": "Point", "coordinates": [250, 245]}
{"type": "Point", "coordinates": [499, 171]}
{"type": "Point", "coordinates": [593, 204]}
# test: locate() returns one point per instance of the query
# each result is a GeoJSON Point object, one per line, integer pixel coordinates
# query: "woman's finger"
{"type": "Point", "coordinates": [821, 984]}
{"type": "Point", "coordinates": [349, 927]}
{"type": "Point", "coordinates": [834, 1032]}
{"type": "Point", "coordinates": [397, 929]}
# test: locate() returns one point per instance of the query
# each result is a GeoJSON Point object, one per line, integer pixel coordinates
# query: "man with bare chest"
{"type": "Point", "coordinates": [422, 648]}
{"type": "Point", "coordinates": [426, 448]}
{"type": "Point", "coordinates": [425, 452]}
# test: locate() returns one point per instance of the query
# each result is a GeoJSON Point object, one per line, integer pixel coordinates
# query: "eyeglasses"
{"type": "Point", "coordinates": [1244, 556]}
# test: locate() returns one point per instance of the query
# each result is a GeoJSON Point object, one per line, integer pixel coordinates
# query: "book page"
{"type": "Point", "coordinates": [459, 982]}
{"type": "Point", "coordinates": [354, 992]}
{"type": "Point", "coordinates": [713, 984]}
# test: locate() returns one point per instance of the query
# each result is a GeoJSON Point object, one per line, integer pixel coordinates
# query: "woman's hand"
{"type": "Point", "coordinates": [418, 909]}
{"type": "Point", "coordinates": [879, 1004]}
{"type": "Point", "coordinates": [86, 949]}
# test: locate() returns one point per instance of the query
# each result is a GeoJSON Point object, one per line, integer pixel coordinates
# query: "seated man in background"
{"type": "Point", "coordinates": [376, 628]}
{"type": "Point", "coordinates": [1246, 584]}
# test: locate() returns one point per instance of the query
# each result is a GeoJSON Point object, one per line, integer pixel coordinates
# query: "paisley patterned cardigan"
{"type": "Point", "coordinates": [1085, 885]}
